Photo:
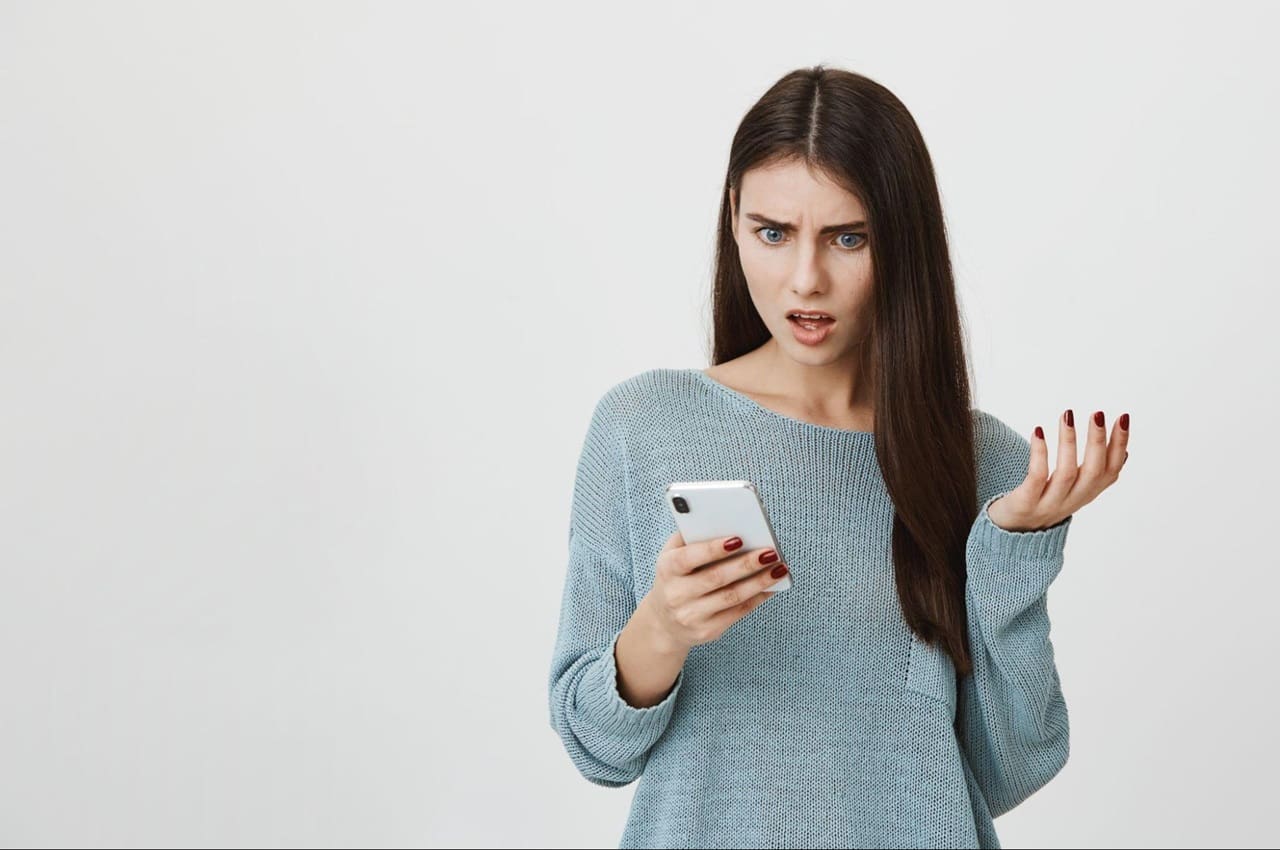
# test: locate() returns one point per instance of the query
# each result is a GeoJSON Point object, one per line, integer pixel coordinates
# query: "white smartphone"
{"type": "Point", "coordinates": [705, 510]}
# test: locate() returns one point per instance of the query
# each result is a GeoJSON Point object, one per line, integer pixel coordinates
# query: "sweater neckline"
{"type": "Point", "coordinates": [746, 402]}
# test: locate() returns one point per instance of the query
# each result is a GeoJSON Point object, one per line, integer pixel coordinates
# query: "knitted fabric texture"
{"type": "Point", "coordinates": [819, 719]}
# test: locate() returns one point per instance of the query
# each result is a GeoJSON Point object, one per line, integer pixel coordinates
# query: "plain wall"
{"type": "Point", "coordinates": [304, 308]}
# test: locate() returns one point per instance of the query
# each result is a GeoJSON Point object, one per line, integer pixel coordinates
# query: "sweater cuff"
{"type": "Point", "coordinates": [599, 699]}
{"type": "Point", "coordinates": [1012, 547]}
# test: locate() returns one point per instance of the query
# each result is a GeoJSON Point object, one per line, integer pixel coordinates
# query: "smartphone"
{"type": "Point", "coordinates": [704, 510]}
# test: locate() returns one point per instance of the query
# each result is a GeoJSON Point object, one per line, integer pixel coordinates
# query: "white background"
{"type": "Point", "coordinates": [304, 308]}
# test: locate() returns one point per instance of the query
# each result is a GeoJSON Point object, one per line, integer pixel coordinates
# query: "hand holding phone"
{"type": "Point", "coordinates": [704, 510]}
{"type": "Point", "coordinates": [700, 587]}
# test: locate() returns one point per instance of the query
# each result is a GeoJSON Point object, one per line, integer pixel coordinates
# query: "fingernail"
{"type": "Point", "coordinates": [1071, 419]}
{"type": "Point", "coordinates": [732, 543]}
{"type": "Point", "coordinates": [1124, 422]}
{"type": "Point", "coordinates": [1097, 419]}
{"type": "Point", "coordinates": [1039, 432]}
{"type": "Point", "coordinates": [778, 571]}
{"type": "Point", "coordinates": [768, 556]}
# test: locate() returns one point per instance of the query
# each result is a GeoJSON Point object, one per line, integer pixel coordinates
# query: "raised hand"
{"type": "Point", "coordinates": [1043, 500]}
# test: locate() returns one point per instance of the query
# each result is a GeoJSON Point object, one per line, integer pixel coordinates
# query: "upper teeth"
{"type": "Point", "coordinates": [807, 316]}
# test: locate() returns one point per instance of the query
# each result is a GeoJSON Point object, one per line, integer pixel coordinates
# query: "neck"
{"type": "Point", "coordinates": [838, 387]}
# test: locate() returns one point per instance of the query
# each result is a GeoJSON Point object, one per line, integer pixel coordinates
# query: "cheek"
{"type": "Point", "coordinates": [764, 296]}
{"type": "Point", "coordinates": [750, 258]}
{"type": "Point", "coordinates": [766, 272]}
{"type": "Point", "coordinates": [863, 288]}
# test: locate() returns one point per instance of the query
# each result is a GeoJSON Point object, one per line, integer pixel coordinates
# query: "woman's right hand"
{"type": "Point", "coordinates": [692, 606]}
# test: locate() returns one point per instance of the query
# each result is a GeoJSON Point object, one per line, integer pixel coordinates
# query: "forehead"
{"type": "Point", "coordinates": [792, 191]}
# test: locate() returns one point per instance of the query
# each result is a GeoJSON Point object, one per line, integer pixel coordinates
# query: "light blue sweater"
{"type": "Point", "coordinates": [819, 719]}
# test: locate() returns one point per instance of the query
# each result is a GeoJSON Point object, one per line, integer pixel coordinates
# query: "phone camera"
{"type": "Point", "coordinates": [681, 505]}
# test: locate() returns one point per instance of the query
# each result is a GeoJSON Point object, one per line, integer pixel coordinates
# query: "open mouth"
{"type": "Point", "coordinates": [810, 322]}
{"type": "Point", "coordinates": [810, 330]}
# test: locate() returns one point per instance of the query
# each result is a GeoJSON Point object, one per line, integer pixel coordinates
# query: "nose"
{"type": "Point", "coordinates": [806, 275]}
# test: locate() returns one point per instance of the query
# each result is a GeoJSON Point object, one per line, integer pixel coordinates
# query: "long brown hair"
{"type": "Point", "coordinates": [856, 132]}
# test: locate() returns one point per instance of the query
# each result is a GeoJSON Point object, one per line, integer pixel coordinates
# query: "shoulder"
{"type": "Point", "coordinates": [639, 404]}
{"type": "Point", "coordinates": [643, 396]}
{"type": "Point", "coordinates": [1001, 454]}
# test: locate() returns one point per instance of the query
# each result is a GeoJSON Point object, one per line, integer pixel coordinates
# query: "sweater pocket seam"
{"type": "Point", "coordinates": [931, 672]}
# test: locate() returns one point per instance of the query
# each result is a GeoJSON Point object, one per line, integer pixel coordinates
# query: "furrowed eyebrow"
{"type": "Point", "coordinates": [784, 226]}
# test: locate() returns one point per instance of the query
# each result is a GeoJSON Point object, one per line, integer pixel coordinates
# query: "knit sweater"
{"type": "Point", "coordinates": [819, 719]}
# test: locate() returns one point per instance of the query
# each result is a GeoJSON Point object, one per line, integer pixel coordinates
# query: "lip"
{"type": "Point", "coordinates": [816, 336]}
{"type": "Point", "coordinates": [822, 313]}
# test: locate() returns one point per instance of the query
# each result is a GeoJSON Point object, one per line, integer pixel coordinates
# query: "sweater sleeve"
{"type": "Point", "coordinates": [1011, 718]}
{"type": "Point", "coordinates": [607, 738]}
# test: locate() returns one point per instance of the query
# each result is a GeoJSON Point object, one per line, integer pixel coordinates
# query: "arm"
{"type": "Point", "coordinates": [607, 738]}
{"type": "Point", "coordinates": [1011, 718]}
{"type": "Point", "coordinates": [647, 664]}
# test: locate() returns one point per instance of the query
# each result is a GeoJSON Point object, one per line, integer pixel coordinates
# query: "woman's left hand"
{"type": "Point", "coordinates": [1043, 500]}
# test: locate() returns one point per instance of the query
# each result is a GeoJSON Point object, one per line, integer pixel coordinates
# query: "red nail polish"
{"type": "Point", "coordinates": [779, 571]}
{"type": "Point", "coordinates": [1039, 432]}
{"type": "Point", "coordinates": [768, 556]}
{"type": "Point", "coordinates": [1071, 419]}
{"type": "Point", "coordinates": [1124, 422]}
{"type": "Point", "coordinates": [1097, 418]}
{"type": "Point", "coordinates": [732, 543]}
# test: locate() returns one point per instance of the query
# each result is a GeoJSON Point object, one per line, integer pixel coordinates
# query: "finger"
{"type": "Point", "coordinates": [1095, 457]}
{"type": "Point", "coordinates": [739, 591]}
{"type": "Point", "coordinates": [725, 619]}
{"type": "Point", "coordinates": [1037, 467]}
{"type": "Point", "coordinates": [695, 555]}
{"type": "Point", "coordinates": [1064, 476]}
{"type": "Point", "coordinates": [1118, 449]}
{"type": "Point", "coordinates": [664, 564]}
{"type": "Point", "coordinates": [733, 569]}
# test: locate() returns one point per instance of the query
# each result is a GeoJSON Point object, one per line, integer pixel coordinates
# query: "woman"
{"type": "Point", "coordinates": [903, 692]}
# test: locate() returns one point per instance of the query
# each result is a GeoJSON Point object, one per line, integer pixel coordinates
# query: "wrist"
{"type": "Point", "coordinates": [650, 628]}
{"type": "Point", "coordinates": [1001, 520]}
{"type": "Point", "coordinates": [996, 513]}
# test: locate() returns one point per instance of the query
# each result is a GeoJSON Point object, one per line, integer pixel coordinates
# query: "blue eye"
{"type": "Point", "coordinates": [848, 247]}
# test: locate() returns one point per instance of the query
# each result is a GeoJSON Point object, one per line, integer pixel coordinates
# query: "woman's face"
{"type": "Point", "coordinates": [803, 244]}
